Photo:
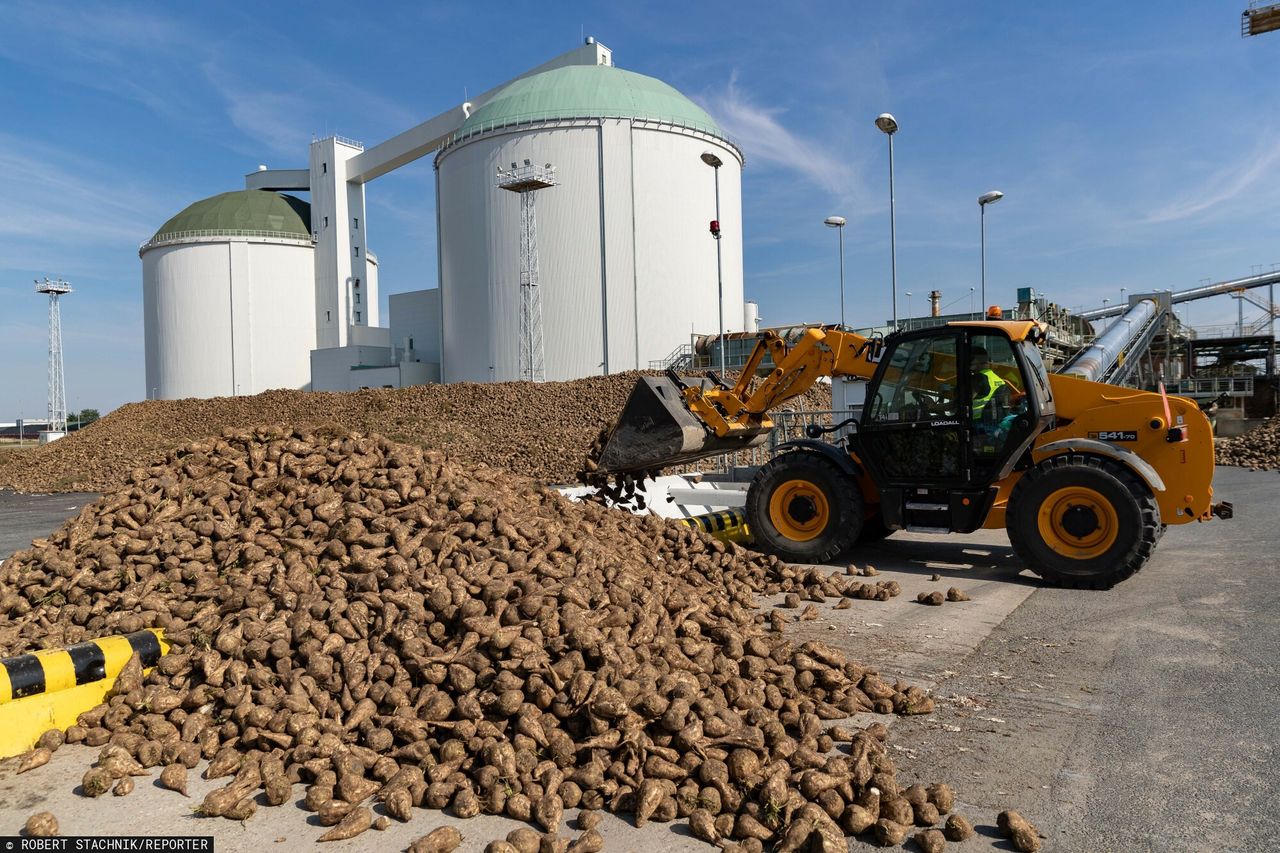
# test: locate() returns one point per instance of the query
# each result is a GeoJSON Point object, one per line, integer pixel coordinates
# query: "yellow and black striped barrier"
{"type": "Point", "coordinates": [728, 525]}
{"type": "Point", "coordinates": [50, 688]}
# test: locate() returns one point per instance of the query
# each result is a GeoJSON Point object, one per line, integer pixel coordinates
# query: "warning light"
{"type": "Point", "coordinates": [715, 228]}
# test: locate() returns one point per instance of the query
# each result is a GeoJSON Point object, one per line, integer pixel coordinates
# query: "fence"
{"type": "Point", "coordinates": [1234, 386]}
{"type": "Point", "coordinates": [787, 426]}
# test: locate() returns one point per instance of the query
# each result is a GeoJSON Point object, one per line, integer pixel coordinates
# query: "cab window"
{"type": "Point", "coordinates": [919, 383]}
{"type": "Point", "coordinates": [1038, 373]}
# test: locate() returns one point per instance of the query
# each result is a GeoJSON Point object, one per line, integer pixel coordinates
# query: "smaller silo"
{"type": "Point", "coordinates": [229, 297]}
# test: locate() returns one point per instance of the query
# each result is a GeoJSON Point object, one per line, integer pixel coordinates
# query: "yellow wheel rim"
{"type": "Point", "coordinates": [1078, 522]}
{"type": "Point", "coordinates": [799, 510]}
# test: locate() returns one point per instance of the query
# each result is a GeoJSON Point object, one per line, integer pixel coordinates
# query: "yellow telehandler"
{"type": "Point", "coordinates": [963, 428]}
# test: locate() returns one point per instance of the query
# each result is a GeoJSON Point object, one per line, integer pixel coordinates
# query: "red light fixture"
{"type": "Point", "coordinates": [715, 228]}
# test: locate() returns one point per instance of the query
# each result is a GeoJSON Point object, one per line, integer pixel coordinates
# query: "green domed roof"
{"type": "Point", "coordinates": [587, 91]}
{"type": "Point", "coordinates": [241, 213]}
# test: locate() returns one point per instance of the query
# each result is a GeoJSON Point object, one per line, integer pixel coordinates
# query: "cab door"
{"type": "Point", "coordinates": [1006, 419]}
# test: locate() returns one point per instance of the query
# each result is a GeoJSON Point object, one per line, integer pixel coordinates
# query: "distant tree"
{"type": "Point", "coordinates": [87, 416]}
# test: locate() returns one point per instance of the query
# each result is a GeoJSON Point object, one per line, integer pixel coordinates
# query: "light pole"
{"type": "Point", "coordinates": [889, 126]}
{"type": "Point", "coordinates": [984, 200]}
{"type": "Point", "coordinates": [1122, 302]}
{"type": "Point", "coordinates": [909, 314]}
{"type": "Point", "coordinates": [971, 303]}
{"type": "Point", "coordinates": [837, 222]}
{"type": "Point", "coordinates": [715, 163]}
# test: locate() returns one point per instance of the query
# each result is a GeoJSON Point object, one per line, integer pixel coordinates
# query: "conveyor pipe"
{"type": "Point", "coordinates": [1203, 292]}
{"type": "Point", "coordinates": [1096, 362]}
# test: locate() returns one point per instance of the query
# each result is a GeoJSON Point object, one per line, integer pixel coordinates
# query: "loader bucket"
{"type": "Point", "coordinates": [656, 430]}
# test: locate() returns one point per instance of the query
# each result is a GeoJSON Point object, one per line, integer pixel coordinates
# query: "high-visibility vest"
{"type": "Point", "coordinates": [994, 383]}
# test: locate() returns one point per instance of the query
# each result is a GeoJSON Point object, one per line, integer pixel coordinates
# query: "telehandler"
{"type": "Point", "coordinates": [963, 428]}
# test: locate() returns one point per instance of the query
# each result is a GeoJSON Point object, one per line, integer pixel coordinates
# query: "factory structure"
{"type": "Point", "coordinates": [276, 285]}
{"type": "Point", "coordinates": [257, 288]}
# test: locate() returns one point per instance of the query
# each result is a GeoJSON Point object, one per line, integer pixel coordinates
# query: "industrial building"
{"type": "Point", "coordinates": [258, 289]}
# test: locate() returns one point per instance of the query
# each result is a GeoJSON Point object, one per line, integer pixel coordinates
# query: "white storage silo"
{"type": "Point", "coordinates": [229, 297]}
{"type": "Point", "coordinates": [627, 263]}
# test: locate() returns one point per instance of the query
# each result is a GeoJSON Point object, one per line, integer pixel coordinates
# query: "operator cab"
{"type": "Point", "coordinates": [950, 411]}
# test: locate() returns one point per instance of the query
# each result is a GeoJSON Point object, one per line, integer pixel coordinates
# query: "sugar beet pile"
{"type": "Point", "coordinates": [1259, 448]}
{"type": "Point", "coordinates": [540, 430]}
{"type": "Point", "coordinates": [381, 622]}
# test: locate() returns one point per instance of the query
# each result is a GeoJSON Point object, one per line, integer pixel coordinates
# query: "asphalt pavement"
{"type": "Point", "coordinates": [26, 517]}
{"type": "Point", "coordinates": [1141, 718]}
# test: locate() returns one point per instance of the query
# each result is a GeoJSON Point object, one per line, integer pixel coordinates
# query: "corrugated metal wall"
{"type": "Point", "coordinates": [282, 328]}
{"type": "Point", "coordinates": [647, 265]}
{"type": "Point", "coordinates": [189, 295]}
{"type": "Point", "coordinates": [676, 255]}
{"type": "Point", "coordinates": [415, 318]}
{"type": "Point", "coordinates": [227, 317]}
{"type": "Point", "coordinates": [621, 296]}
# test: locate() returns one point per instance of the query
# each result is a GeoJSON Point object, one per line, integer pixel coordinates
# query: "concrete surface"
{"type": "Point", "coordinates": [1138, 718]}
{"type": "Point", "coordinates": [26, 517]}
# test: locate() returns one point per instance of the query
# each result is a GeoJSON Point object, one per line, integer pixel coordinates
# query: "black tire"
{"type": "Point", "coordinates": [1135, 508]}
{"type": "Point", "coordinates": [839, 492]}
{"type": "Point", "coordinates": [874, 530]}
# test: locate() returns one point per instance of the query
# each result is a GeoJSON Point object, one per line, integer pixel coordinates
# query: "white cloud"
{"type": "Point", "coordinates": [766, 139]}
{"type": "Point", "coordinates": [286, 119]}
{"type": "Point", "coordinates": [281, 121]}
{"type": "Point", "coordinates": [1226, 184]}
{"type": "Point", "coordinates": [183, 68]}
{"type": "Point", "coordinates": [55, 197]}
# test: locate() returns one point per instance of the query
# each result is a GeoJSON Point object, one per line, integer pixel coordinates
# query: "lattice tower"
{"type": "Point", "coordinates": [57, 413]}
{"type": "Point", "coordinates": [526, 180]}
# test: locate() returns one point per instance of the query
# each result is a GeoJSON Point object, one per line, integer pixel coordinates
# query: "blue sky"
{"type": "Point", "coordinates": [1135, 150]}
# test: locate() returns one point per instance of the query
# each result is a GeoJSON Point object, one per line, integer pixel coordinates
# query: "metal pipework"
{"type": "Point", "coordinates": [1095, 362]}
{"type": "Point", "coordinates": [1204, 292]}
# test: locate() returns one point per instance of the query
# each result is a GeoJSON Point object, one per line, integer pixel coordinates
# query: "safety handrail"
{"type": "Point", "coordinates": [176, 236]}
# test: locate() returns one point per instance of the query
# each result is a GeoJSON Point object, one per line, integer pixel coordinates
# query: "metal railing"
{"type": "Point", "coordinates": [1234, 386]}
{"type": "Point", "coordinates": [677, 359]}
{"type": "Point", "coordinates": [178, 236]}
{"type": "Point", "coordinates": [709, 130]}
{"type": "Point", "coordinates": [345, 140]}
{"type": "Point", "coordinates": [1225, 330]}
{"type": "Point", "coordinates": [789, 426]}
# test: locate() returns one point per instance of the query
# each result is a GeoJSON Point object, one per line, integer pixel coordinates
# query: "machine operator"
{"type": "Point", "coordinates": [992, 401]}
{"type": "Point", "coordinates": [991, 394]}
